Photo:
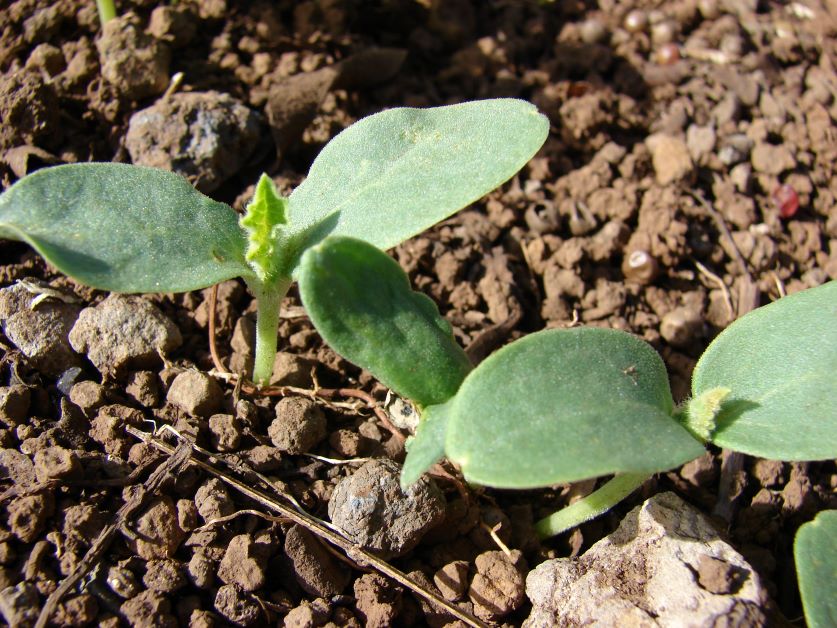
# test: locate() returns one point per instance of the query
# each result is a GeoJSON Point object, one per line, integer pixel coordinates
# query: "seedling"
{"type": "Point", "coordinates": [815, 553]}
{"type": "Point", "coordinates": [384, 179]}
{"type": "Point", "coordinates": [565, 405]}
{"type": "Point", "coordinates": [107, 10]}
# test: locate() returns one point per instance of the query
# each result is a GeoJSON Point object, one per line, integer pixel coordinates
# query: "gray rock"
{"type": "Point", "coordinates": [664, 566]}
{"type": "Point", "coordinates": [124, 332]}
{"type": "Point", "coordinates": [299, 425]}
{"type": "Point", "coordinates": [373, 511]}
{"type": "Point", "coordinates": [39, 332]}
{"type": "Point", "coordinates": [196, 393]}
{"type": "Point", "coordinates": [204, 136]}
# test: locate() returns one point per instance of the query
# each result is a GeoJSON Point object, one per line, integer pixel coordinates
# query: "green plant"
{"type": "Point", "coordinates": [388, 177]}
{"type": "Point", "coordinates": [565, 405]}
{"type": "Point", "coordinates": [107, 10]}
{"type": "Point", "coordinates": [815, 553]}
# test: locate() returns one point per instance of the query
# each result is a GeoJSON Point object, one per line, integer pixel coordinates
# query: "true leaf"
{"type": "Point", "coordinates": [396, 173]}
{"type": "Point", "coordinates": [360, 301]}
{"type": "Point", "coordinates": [780, 364]}
{"type": "Point", "coordinates": [564, 405]}
{"type": "Point", "coordinates": [815, 553]}
{"type": "Point", "coordinates": [263, 220]}
{"type": "Point", "coordinates": [125, 228]}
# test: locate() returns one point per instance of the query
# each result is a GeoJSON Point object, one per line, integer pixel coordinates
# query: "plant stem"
{"type": "Point", "coordinates": [268, 297]}
{"type": "Point", "coordinates": [596, 503]}
{"type": "Point", "coordinates": [107, 10]}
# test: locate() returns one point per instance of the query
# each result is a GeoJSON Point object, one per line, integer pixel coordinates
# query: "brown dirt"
{"type": "Point", "coordinates": [661, 162]}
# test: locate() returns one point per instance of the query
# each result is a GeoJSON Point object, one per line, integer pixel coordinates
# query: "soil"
{"type": "Point", "coordinates": [689, 176]}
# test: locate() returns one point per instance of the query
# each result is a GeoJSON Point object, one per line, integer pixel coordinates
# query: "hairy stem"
{"type": "Point", "coordinates": [107, 10]}
{"type": "Point", "coordinates": [596, 503]}
{"type": "Point", "coordinates": [269, 297]}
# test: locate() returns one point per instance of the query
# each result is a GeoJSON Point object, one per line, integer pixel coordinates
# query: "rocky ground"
{"type": "Point", "coordinates": [689, 176]}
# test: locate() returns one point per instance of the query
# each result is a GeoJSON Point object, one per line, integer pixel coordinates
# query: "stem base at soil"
{"type": "Point", "coordinates": [269, 298]}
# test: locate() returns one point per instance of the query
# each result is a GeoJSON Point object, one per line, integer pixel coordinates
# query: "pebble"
{"type": "Point", "coordinates": [671, 158]}
{"type": "Point", "coordinates": [378, 600]}
{"type": "Point", "coordinates": [14, 403]}
{"type": "Point", "coordinates": [652, 571]}
{"type": "Point", "coordinates": [28, 515]}
{"type": "Point", "coordinates": [290, 369]}
{"type": "Point", "coordinates": [158, 535]}
{"type": "Point", "coordinates": [772, 159]}
{"type": "Point", "coordinates": [196, 393]}
{"type": "Point", "coordinates": [244, 563]}
{"type": "Point", "coordinates": [56, 463]}
{"type": "Point", "coordinates": [235, 605]}
{"type": "Point", "coordinates": [452, 580]}
{"type": "Point", "coordinates": [124, 332]}
{"type": "Point", "coordinates": [741, 176]}
{"type": "Point", "coordinates": [681, 325]}
{"type": "Point", "coordinates": [144, 388]}
{"type": "Point", "coordinates": [206, 137]}
{"type": "Point", "coordinates": [148, 608]}
{"type": "Point", "coordinates": [225, 432]}
{"type": "Point", "coordinates": [20, 604]}
{"type": "Point", "coordinates": [134, 63]}
{"type": "Point", "coordinates": [701, 141]}
{"type": "Point", "coordinates": [498, 587]}
{"type": "Point", "coordinates": [164, 575]}
{"type": "Point", "coordinates": [373, 511]}
{"type": "Point", "coordinates": [89, 396]}
{"type": "Point", "coordinates": [201, 569]}
{"type": "Point", "coordinates": [213, 500]}
{"type": "Point", "coordinates": [17, 467]}
{"type": "Point", "coordinates": [41, 333]}
{"type": "Point", "coordinates": [299, 425]}
{"type": "Point", "coordinates": [314, 568]}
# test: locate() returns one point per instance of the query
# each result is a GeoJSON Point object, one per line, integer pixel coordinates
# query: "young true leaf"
{"type": "Point", "coordinates": [263, 220]}
{"type": "Point", "coordinates": [360, 301]}
{"type": "Point", "coordinates": [779, 362]}
{"type": "Point", "coordinates": [125, 228]}
{"type": "Point", "coordinates": [394, 174]}
{"type": "Point", "coordinates": [815, 553]}
{"type": "Point", "coordinates": [564, 405]}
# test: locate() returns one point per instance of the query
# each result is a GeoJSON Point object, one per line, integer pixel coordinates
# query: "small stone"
{"type": "Point", "coordinates": [681, 325]}
{"type": "Point", "coordinates": [308, 614]}
{"type": "Point", "coordinates": [174, 24]}
{"type": "Point", "coordinates": [47, 58]}
{"type": "Point", "coordinates": [373, 511]}
{"type": "Point", "coordinates": [314, 568]}
{"type": "Point", "coordinates": [244, 563]}
{"type": "Point", "coordinates": [770, 473]}
{"type": "Point", "coordinates": [124, 332]}
{"type": "Point", "coordinates": [158, 535]}
{"type": "Point", "coordinates": [89, 396]}
{"type": "Point", "coordinates": [28, 515]}
{"type": "Point", "coordinates": [164, 576]}
{"type": "Point", "coordinates": [201, 570]}
{"type": "Point", "coordinates": [647, 573]}
{"type": "Point", "coordinates": [17, 467]}
{"type": "Point", "coordinates": [378, 600]}
{"type": "Point", "coordinates": [195, 393]}
{"type": "Point", "coordinates": [299, 425]}
{"type": "Point", "coordinates": [78, 610]}
{"type": "Point", "coordinates": [144, 388]}
{"type": "Point", "coordinates": [498, 587]}
{"type": "Point", "coordinates": [701, 142]}
{"type": "Point", "coordinates": [14, 403]}
{"type": "Point", "coordinates": [671, 159]}
{"type": "Point", "coordinates": [205, 137]}
{"type": "Point", "coordinates": [187, 514]}
{"type": "Point", "coordinates": [233, 603]}
{"type": "Point", "coordinates": [148, 608]}
{"type": "Point", "coordinates": [772, 159]}
{"type": "Point", "coordinates": [213, 500]}
{"type": "Point", "coordinates": [20, 605]}
{"type": "Point", "coordinates": [53, 463]}
{"type": "Point", "coordinates": [41, 333]}
{"type": "Point", "coordinates": [136, 64]}
{"type": "Point", "coordinates": [742, 177]}
{"type": "Point", "coordinates": [640, 268]}
{"type": "Point", "coordinates": [225, 431]}
{"type": "Point", "coordinates": [452, 580]}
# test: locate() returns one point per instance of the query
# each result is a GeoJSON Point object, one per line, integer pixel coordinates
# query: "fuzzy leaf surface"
{"type": "Point", "coordinates": [394, 174]}
{"type": "Point", "coordinates": [125, 228]}
{"type": "Point", "coordinates": [780, 364]}
{"type": "Point", "coordinates": [361, 302]}
{"type": "Point", "coordinates": [565, 405]}
{"type": "Point", "coordinates": [264, 217]}
{"type": "Point", "coordinates": [815, 554]}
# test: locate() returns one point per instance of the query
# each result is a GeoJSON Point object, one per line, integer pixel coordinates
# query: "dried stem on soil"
{"type": "Point", "coordinates": [315, 526]}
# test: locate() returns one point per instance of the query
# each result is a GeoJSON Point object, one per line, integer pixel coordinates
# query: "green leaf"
{"type": "Point", "coordinates": [360, 301]}
{"type": "Point", "coordinates": [815, 553]}
{"type": "Point", "coordinates": [427, 446]}
{"type": "Point", "coordinates": [564, 405]}
{"type": "Point", "coordinates": [125, 228]}
{"type": "Point", "coordinates": [780, 364]}
{"type": "Point", "coordinates": [263, 219]}
{"type": "Point", "coordinates": [396, 173]}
